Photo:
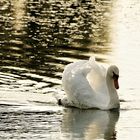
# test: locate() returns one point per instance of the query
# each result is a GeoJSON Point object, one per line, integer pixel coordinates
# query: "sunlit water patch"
{"type": "Point", "coordinates": [126, 56]}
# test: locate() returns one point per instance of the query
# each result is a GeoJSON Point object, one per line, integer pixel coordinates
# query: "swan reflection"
{"type": "Point", "coordinates": [89, 124]}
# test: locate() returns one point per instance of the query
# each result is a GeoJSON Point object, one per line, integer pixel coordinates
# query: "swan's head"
{"type": "Point", "coordinates": [113, 72]}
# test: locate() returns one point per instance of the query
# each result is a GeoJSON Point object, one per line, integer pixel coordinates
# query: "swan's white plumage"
{"type": "Point", "coordinates": [85, 84]}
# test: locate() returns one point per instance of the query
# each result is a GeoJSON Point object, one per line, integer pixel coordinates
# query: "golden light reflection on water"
{"type": "Point", "coordinates": [19, 13]}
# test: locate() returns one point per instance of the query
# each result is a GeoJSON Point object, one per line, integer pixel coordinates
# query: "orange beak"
{"type": "Point", "coordinates": [116, 83]}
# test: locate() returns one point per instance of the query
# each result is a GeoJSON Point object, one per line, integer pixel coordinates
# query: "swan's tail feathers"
{"type": "Point", "coordinates": [92, 58]}
{"type": "Point", "coordinates": [64, 102]}
{"type": "Point", "coordinates": [92, 61]}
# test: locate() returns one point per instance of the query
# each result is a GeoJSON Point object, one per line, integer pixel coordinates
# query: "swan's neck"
{"type": "Point", "coordinates": [114, 100]}
{"type": "Point", "coordinates": [110, 85]}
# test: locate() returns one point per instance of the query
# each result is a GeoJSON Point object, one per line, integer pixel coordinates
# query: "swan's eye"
{"type": "Point", "coordinates": [115, 76]}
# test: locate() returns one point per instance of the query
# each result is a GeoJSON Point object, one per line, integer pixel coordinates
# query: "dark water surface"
{"type": "Point", "coordinates": [37, 39]}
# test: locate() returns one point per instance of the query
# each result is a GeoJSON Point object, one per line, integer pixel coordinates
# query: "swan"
{"type": "Point", "coordinates": [88, 84]}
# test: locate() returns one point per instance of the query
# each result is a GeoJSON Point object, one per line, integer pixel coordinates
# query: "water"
{"type": "Point", "coordinates": [38, 38]}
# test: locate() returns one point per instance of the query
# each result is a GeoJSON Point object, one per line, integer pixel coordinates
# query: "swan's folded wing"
{"type": "Point", "coordinates": [97, 76]}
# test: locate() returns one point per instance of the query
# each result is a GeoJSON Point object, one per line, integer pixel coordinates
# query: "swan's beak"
{"type": "Point", "coordinates": [116, 83]}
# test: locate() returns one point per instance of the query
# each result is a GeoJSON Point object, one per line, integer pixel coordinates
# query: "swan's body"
{"type": "Point", "coordinates": [89, 85]}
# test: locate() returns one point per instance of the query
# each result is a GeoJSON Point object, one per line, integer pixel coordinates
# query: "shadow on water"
{"type": "Point", "coordinates": [89, 124]}
{"type": "Point", "coordinates": [38, 37]}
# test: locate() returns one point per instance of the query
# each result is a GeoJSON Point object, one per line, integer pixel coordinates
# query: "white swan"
{"type": "Point", "coordinates": [89, 85]}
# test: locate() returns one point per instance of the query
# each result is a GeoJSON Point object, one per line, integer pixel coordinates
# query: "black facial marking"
{"type": "Point", "coordinates": [115, 76]}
